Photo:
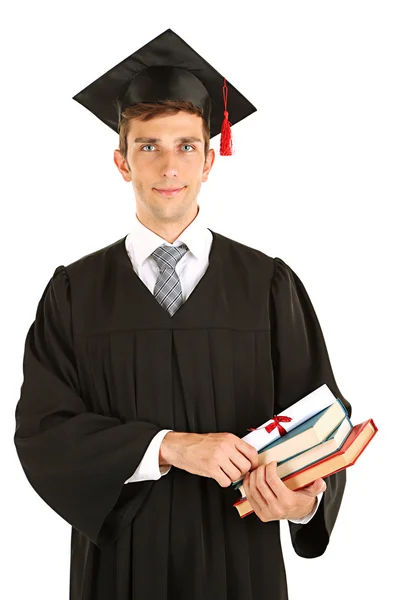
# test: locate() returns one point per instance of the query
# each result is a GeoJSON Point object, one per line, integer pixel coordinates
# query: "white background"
{"type": "Point", "coordinates": [313, 181]}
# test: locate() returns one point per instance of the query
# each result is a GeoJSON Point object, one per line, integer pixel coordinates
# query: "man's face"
{"type": "Point", "coordinates": [166, 165]}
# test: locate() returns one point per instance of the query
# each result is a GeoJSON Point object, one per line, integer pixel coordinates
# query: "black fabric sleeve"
{"type": "Point", "coordinates": [300, 365]}
{"type": "Point", "coordinates": [76, 460]}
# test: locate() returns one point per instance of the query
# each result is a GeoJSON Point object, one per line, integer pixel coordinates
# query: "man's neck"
{"type": "Point", "coordinates": [167, 230]}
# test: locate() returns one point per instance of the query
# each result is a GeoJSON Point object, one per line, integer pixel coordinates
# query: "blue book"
{"type": "Point", "coordinates": [296, 463]}
{"type": "Point", "coordinates": [308, 434]}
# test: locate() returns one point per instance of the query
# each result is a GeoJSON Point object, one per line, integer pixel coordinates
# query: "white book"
{"type": "Point", "coordinates": [299, 412]}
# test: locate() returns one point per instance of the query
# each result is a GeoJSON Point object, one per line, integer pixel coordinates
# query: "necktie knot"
{"type": "Point", "coordinates": [169, 256]}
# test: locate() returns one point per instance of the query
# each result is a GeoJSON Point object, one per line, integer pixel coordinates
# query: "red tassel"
{"type": "Point", "coordinates": [226, 132]}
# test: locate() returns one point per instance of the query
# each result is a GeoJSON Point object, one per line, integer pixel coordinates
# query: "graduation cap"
{"type": "Point", "coordinates": [167, 68]}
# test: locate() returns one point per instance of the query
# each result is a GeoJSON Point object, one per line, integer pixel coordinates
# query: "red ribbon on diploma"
{"type": "Point", "coordinates": [276, 423]}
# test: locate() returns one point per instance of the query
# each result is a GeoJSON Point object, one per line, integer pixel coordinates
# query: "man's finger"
{"type": "Point", "coordinates": [319, 485]}
{"type": "Point", "coordinates": [314, 488]}
{"type": "Point", "coordinates": [275, 483]}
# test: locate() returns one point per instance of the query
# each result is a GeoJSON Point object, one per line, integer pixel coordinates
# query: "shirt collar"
{"type": "Point", "coordinates": [143, 242]}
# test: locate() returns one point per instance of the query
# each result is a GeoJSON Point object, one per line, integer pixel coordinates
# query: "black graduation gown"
{"type": "Point", "coordinates": [106, 368]}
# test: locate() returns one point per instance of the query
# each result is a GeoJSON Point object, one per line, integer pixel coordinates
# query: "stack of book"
{"type": "Point", "coordinates": [313, 438]}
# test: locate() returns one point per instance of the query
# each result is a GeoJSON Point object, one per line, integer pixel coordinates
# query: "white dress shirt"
{"type": "Point", "coordinates": [140, 243]}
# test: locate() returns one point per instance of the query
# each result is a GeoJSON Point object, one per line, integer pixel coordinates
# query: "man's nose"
{"type": "Point", "coordinates": [169, 165]}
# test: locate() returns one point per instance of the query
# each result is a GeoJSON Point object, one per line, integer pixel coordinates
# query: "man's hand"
{"type": "Point", "coordinates": [220, 456]}
{"type": "Point", "coordinates": [270, 498]}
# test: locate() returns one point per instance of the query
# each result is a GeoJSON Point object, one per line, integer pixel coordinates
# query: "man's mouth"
{"type": "Point", "coordinates": [169, 192]}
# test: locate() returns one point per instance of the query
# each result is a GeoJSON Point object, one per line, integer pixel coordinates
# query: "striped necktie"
{"type": "Point", "coordinates": [168, 290]}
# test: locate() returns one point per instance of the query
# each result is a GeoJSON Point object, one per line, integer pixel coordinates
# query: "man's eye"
{"type": "Point", "coordinates": [188, 146]}
{"type": "Point", "coordinates": [147, 146]}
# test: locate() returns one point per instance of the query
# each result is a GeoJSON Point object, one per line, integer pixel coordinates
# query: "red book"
{"type": "Point", "coordinates": [354, 445]}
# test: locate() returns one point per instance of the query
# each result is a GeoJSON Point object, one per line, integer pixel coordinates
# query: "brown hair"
{"type": "Point", "coordinates": [144, 111]}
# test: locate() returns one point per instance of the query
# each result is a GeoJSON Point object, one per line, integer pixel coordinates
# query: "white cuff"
{"type": "Point", "coordinates": [149, 467]}
{"type": "Point", "coordinates": [308, 517]}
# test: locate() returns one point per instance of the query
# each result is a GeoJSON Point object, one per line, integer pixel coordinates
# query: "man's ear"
{"type": "Point", "coordinates": [122, 165]}
{"type": "Point", "coordinates": [209, 161]}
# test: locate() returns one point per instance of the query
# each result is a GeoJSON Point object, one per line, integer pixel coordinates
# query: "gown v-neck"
{"type": "Point", "coordinates": [156, 314]}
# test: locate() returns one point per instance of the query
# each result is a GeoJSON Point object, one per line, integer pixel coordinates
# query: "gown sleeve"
{"type": "Point", "coordinates": [77, 461]}
{"type": "Point", "coordinates": [300, 365]}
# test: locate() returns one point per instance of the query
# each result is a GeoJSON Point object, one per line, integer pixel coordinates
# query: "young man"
{"type": "Point", "coordinates": [149, 359]}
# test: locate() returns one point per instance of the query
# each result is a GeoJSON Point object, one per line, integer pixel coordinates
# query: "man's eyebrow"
{"type": "Point", "coordinates": [180, 140]}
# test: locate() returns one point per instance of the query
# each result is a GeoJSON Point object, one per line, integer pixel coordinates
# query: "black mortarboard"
{"type": "Point", "coordinates": [167, 68]}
